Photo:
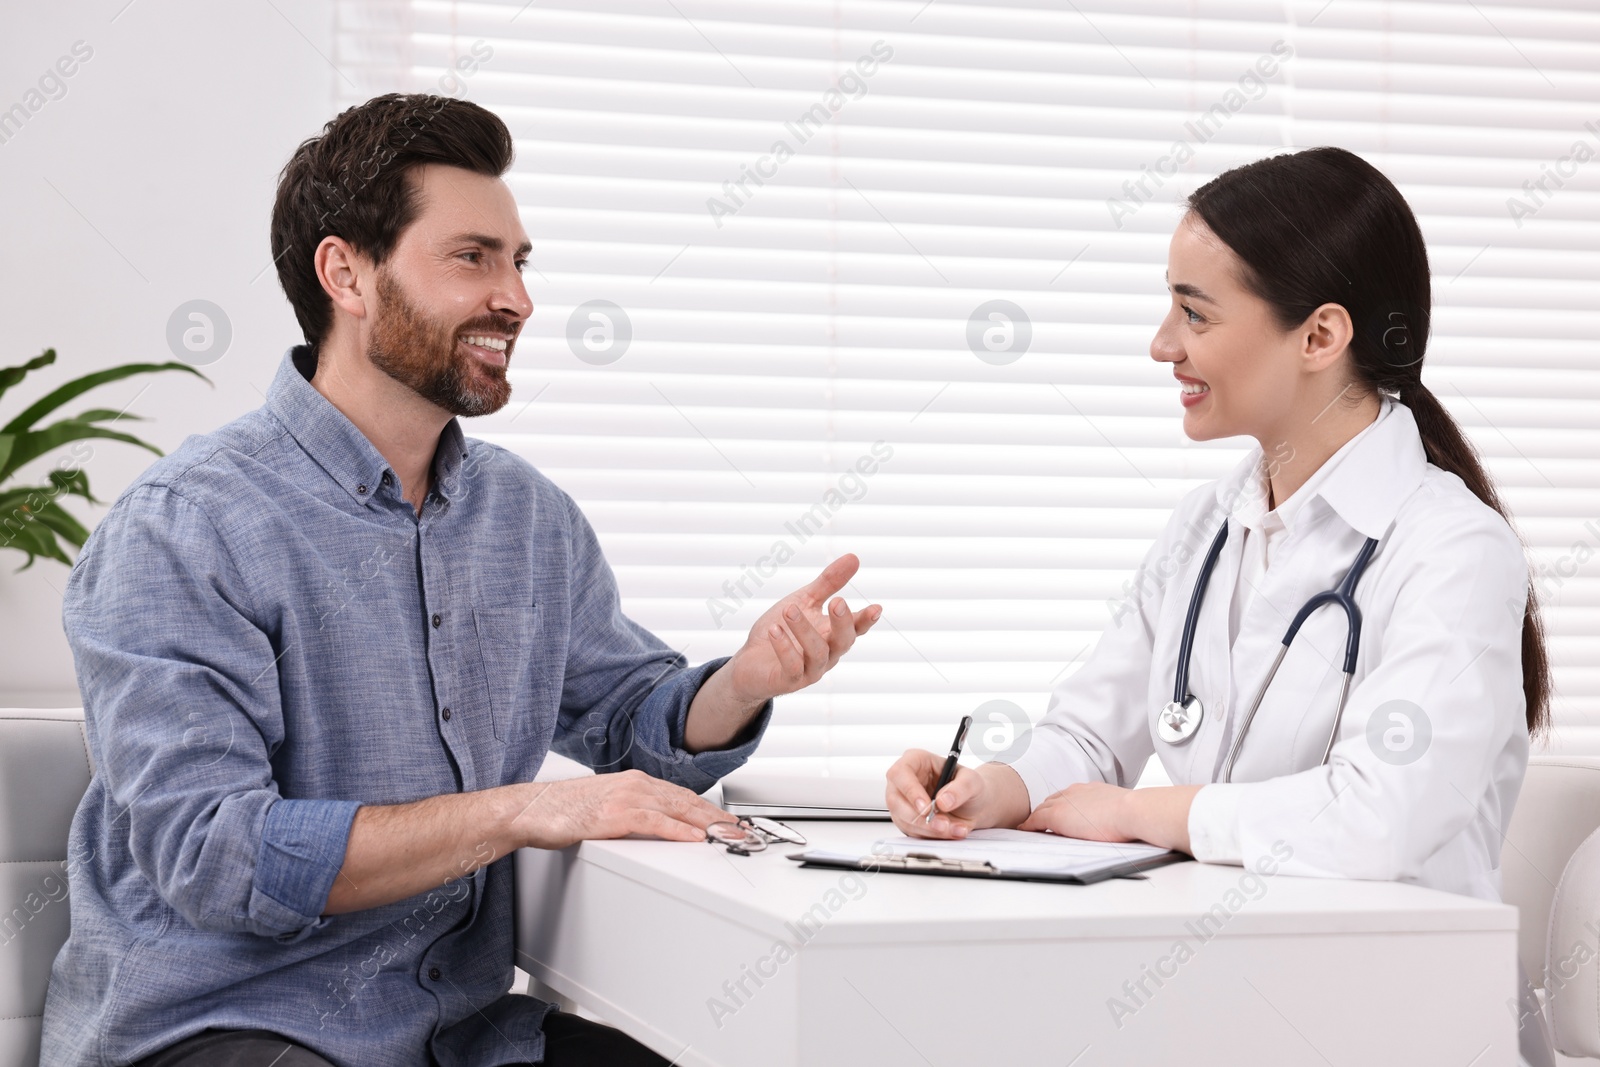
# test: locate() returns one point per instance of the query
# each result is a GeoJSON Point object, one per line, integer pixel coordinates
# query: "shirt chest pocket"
{"type": "Point", "coordinates": [507, 640]}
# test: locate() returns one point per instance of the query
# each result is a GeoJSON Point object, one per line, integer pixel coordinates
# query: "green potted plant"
{"type": "Point", "coordinates": [32, 520]}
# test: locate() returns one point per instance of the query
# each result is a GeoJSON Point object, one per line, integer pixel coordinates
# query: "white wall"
{"type": "Point", "coordinates": [147, 184]}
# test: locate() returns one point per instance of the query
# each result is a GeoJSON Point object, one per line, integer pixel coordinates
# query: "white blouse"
{"type": "Point", "coordinates": [1262, 529]}
{"type": "Point", "coordinates": [1433, 745]}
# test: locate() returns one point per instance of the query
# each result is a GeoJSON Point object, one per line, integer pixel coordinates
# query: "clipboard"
{"type": "Point", "coordinates": [950, 867]}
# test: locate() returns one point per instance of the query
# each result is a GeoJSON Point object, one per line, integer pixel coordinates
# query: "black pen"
{"type": "Point", "coordinates": [949, 771]}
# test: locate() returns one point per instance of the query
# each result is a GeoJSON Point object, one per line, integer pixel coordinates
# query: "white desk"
{"type": "Point", "coordinates": [917, 970]}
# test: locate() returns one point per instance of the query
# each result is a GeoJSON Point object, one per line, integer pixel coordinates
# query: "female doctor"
{"type": "Point", "coordinates": [1299, 316]}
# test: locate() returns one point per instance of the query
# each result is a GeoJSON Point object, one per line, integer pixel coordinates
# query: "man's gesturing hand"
{"type": "Point", "coordinates": [800, 638]}
{"type": "Point", "coordinates": [614, 805]}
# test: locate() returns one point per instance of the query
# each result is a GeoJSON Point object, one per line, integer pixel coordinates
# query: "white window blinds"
{"type": "Point", "coordinates": [881, 277]}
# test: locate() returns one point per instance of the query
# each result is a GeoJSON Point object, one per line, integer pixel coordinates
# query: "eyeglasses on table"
{"type": "Point", "coordinates": [751, 834]}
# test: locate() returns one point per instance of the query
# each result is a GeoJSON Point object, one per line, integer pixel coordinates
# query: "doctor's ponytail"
{"type": "Point", "coordinates": [1339, 232]}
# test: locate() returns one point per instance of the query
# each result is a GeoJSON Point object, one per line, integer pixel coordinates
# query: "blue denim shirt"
{"type": "Point", "coordinates": [267, 636]}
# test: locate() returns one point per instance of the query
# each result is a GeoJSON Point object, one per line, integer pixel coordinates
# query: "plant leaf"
{"type": "Point", "coordinates": [60, 395]}
{"type": "Point", "coordinates": [27, 503]}
{"type": "Point", "coordinates": [74, 481]}
{"type": "Point", "coordinates": [12, 375]}
{"type": "Point", "coordinates": [106, 415]}
{"type": "Point", "coordinates": [57, 518]}
{"type": "Point", "coordinates": [6, 443]}
{"type": "Point", "coordinates": [31, 446]}
{"type": "Point", "coordinates": [33, 497]}
{"type": "Point", "coordinates": [33, 538]}
{"type": "Point", "coordinates": [14, 499]}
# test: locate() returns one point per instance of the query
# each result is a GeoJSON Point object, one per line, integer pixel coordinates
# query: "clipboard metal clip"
{"type": "Point", "coordinates": [927, 861]}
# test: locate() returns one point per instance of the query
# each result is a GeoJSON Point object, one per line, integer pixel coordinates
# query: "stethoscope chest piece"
{"type": "Point", "coordinates": [1179, 721]}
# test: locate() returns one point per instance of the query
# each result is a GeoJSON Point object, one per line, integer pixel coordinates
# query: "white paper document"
{"type": "Point", "coordinates": [1029, 850]}
{"type": "Point", "coordinates": [1026, 851]}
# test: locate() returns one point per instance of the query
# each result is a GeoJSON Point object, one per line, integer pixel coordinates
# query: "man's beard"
{"type": "Point", "coordinates": [423, 354]}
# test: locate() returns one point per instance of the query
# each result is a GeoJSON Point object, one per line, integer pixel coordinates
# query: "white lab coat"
{"type": "Point", "coordinates": [1441, 607]}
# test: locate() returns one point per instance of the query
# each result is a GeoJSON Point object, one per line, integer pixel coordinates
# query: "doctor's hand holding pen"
{"type": "Point", "coordinates": [993, 795]}
{"type": "Point", "coordinates": [974, 799]}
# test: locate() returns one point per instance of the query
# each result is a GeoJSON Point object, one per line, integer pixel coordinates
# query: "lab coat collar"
{"type": "Point", "coordinates": [1365, 489]}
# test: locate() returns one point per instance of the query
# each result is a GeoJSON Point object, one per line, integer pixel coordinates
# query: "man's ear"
{"type": "Point", "coordinates": [1325, 336]}
{"type": "Point", "coordinates": [343, 272]}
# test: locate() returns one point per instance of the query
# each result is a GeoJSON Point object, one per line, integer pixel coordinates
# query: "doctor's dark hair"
{"type": "Point", "coordinates": [353, 181]}
{"type": "Point", "coordinates": [1324, 226]}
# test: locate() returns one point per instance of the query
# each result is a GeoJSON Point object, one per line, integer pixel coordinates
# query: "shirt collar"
{"type": "Point", "coordinates": [1364, 483]}
{"type": "Point", "coordinates": [333, 441]}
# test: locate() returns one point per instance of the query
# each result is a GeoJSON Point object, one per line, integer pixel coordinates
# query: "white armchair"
{"type": "Point", "coordinates": [44, 770]}
{"type": "Point", "coordinates": [1551, 872]}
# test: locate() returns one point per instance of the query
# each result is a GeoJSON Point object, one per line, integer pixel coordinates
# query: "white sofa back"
{"type": "Point", "coordinates": [44, 770]}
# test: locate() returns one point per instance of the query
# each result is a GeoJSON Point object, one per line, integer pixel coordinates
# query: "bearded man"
{"type": "Point", "coordinates": [324, 650]}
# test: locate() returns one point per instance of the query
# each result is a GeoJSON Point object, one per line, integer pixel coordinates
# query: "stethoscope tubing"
{"type": "Point", "coordinates": [1180, 689]}
{"type": "Point", "coordinates": [1343, 596]}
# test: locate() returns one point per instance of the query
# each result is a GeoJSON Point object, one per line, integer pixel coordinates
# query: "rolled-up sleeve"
{"type": "Point", "coordinates": [302, 852]}
{"type": "Point", "coordinates": [183, 711]}
{"type": "Point", "coordinates": [626, 695]}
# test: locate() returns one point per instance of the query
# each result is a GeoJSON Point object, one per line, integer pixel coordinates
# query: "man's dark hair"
{"type": "Point", "coordinates": [352, 181]}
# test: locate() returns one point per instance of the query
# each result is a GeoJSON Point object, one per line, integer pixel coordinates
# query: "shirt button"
{"type": "Point", "coordinates": [434, 974]}
{"type": "Point", "coordinates": [437, 619]}
{"type": "Point", "coordinates": [361, 489]}
{"type": "Point", "coordinates": [445, 715]}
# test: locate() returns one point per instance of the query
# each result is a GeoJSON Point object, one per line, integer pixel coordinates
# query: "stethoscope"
{"type": "Point", "coordinates": [1180, 719]}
